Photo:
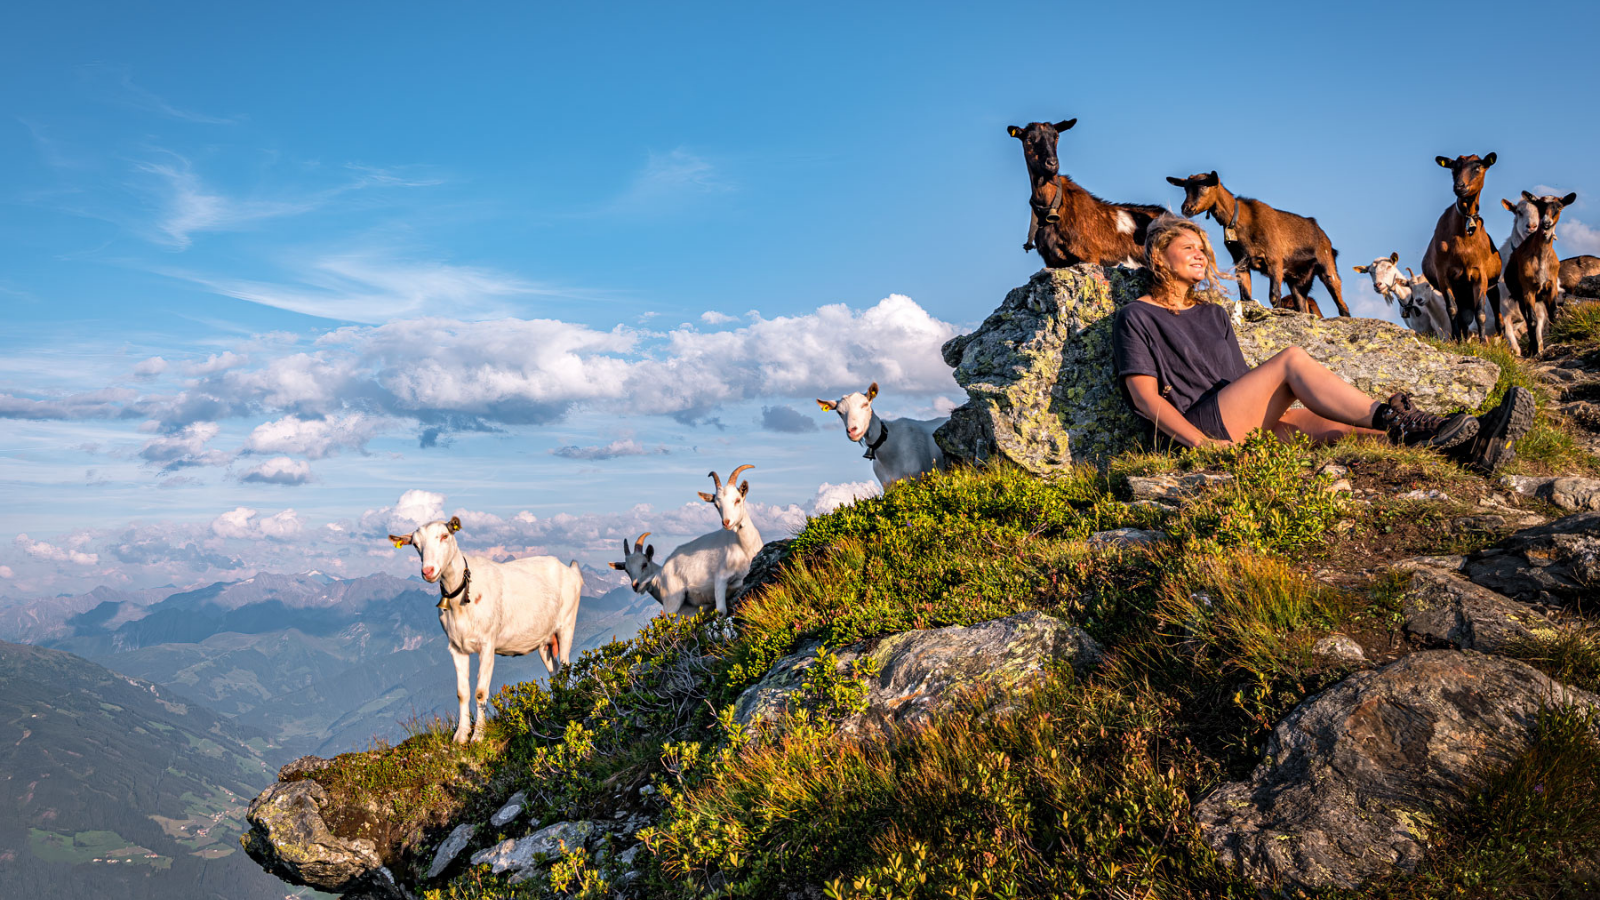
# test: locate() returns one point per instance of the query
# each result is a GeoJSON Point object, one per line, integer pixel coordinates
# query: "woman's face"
{"type": "Point", "coordinates": [1186, 257]}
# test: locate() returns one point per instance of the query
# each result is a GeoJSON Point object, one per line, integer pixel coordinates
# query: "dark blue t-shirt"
{"type": "Point", "coordinates": [1191, 353]}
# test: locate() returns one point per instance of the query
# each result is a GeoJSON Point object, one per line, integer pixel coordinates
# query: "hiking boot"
{"type": "Point", "coordinates": [1498, 430]}
{"type": "Point", "coordinates": [1407, 425]}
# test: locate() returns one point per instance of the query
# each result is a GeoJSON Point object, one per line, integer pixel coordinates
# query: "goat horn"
{"type": "Point", "coordinates": [734, 478]}
{"type": "Point", "coordinates": [715, 480]}
{"type": "Point", "coordinates": [639, 544]}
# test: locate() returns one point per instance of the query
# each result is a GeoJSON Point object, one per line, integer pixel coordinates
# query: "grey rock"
{"type": "Point", "coordinates": [762, 570]}
{"type": "Point", "coordinates": [1567, 492]}
{"type": "Point", "coordinates": [1339, 647]}
{"type": "Point", "coordinates": [511, 809]}
{"type": "Point", "coordinates": [1126, 537]}
{"type": "Point", "coordinates": [1450, 608]}
{"type": "Point", "coordinates": [1447, 563]}
{"type": "Point", "coordinates": [1355, 777]}
{"type": "Point", "coordinates": [450, 849]}
{"type": "Point", "coordinates": [1038, 371]}
{"type": "Point", "coordinates": [1553, 564]}
{"type": "Point", "coordinates": [290, 838]}
{"type": "Point", "coordinates": [1173, 488]}
{"type": "Point", "coordinates": [1434, 496]}
{"type": "Point", "coordinates": [543, 846]}
{"type": "Point", "coordinates": [922, 672]}
{"type": "Point", "coordinates": [305, 765]}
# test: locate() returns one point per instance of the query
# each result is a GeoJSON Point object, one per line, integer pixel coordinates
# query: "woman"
{"type": "Point", "coordinates": [1179, 365]}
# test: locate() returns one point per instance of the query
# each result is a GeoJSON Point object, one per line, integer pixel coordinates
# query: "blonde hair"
{"type": "Point", "coordinates": [1162, 232]}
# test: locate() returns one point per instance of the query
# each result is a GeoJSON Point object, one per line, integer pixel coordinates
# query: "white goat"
{"type": "Point", "coordinates": [491, 608]}
{"type": "Point", "coordinates": [1421, 307]}
{"type": "Point", "coordinates": [707, 570]}
{"type": "Point", "coordinates": [898, 448]}
{"type": "Point", "coordinates": [1526, 219]}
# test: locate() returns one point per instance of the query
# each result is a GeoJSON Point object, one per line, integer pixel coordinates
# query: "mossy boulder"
{"type": "Point", "coordinates": [1039, 381]}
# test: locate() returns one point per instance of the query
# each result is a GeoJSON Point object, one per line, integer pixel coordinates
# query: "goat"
{"type": "Point", "coordinates": [1283, 246]}
{"type": "Point", "coordinates": [898, 448]}
{"type": "Point", "coordinates": [505, 609]}
{"type": "Point", "coordinates": [1533, 273]}
{"type": "Point", "coordinates": [707, 570]}
{"type": "Point", "coordinates": [1039, 153]}
{"type": "Point", "coordinates": [1576, 268]}
{"type": "Point", "coordinates": [1421, 307]}
{"type": "Point", "coordinates": [1461, 262]}
{"type": "Point", "coordinates": [1524, 218]}
{"type": "Point", "coordinates": [1069, 224]}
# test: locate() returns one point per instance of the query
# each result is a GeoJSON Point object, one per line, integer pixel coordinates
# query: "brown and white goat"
{"type": "Point", "coordinates": [1575, 269]}
{"type": "Point", "coordinates": [1533, 273]}
{"type": "Point", "coordinates": [1069, 224]}
{"type": "Point", "coordinates": [1462, 262]}
{"type": "Point", "coordinates": [1283, 246]}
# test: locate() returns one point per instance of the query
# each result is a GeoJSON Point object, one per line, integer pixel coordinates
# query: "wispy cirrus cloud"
{"type": "Point", "coordinates": [669, 180]}
{"type": "Point", "coordinates": [121, 89]}
{"type": "Point", "coordinates": [613, 450]}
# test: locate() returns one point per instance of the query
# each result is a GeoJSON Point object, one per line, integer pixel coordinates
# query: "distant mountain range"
{"type": "Point", "coordinates": [133, 785]}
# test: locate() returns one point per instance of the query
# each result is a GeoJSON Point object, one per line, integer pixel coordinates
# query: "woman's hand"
{"type": "Point", "coordinates": [1219, 444]}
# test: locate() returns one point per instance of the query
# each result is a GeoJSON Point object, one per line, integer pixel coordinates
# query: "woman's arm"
{"type": "Point", "coordinates": [1148, 401]}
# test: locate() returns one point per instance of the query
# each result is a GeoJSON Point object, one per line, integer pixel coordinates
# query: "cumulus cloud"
{"type": "Point", "coordinates": [1579, 238]}
{"type": "Point", "coordinates": [279, 470]}
{"type": "Point", "coordinates": [51, 553]}
{"type": "Point", "coordinates": [239, 523]}
{"type": "Point", "coordinates": [314, 438]}
{"type": "Point", "coordinates": [712, 317]}
{"type": "Point", "coordinates": [185, 448]}
{"type": "Point", "coordinates": [787, 420]}
{"type": "Point", "coordinates": [282, 526]}
{"type": "Point", "coordinates": [5, 572]}
{"type": "Point", "coordinates": [214, 363]}
{"type": "Point", "coordinates": [150, 368]}
{"type": "Point", "coordinates": [243, 523]}
{"type": "Point", "coordinates": [608, 451]}
{"type": "Point", "coordinates": [415, 507]}
{"type": "Point", "coordinates": [830, 497]}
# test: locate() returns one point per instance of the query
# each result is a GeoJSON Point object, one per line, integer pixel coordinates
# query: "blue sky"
{"type": "Point", "coordinates": [279, 279]}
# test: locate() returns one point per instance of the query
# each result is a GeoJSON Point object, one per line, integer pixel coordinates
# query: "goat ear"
{"type": "Point", "coordinates": [707, 497]}
{"type": "Point", "coordinates": [400, 541]}
{"type": "Point", "coordinates": [1395, 257]}
{"type": "Point", "coordinates": [454, 524]}
{"type": "Point", "coordinates": [1211, 177]}
{"type": "Point", "coordinates": [650, 552]}
{"type": "Point", "coordinates": [1064, 126]}
{"type": "Point", "coordinates": [1528, 196]}
{"type": "Point", "coordinates": [625, 548]}
{"type": "Point", "coordinates": [1444, 161]}
{"type": "Point", "coordinates": [1510, 207]}
{"type": "Point", "coordinates": [618, 566]}
{"type": "Point", "coordinates": [1361, 269]}
{"type": "Point", "coordinates": [1014, 131]}
{"type": "Point", "coordinates": [1489, 160]}
{"type": "Point", "coordinates": [872, 391]}
{"type": "Point", "coordinates": [744, 488]}
{"type": "Point", "coordinates": [827, 405]}
{"type": "Point", "coordinates": [1176, 182]}
{"type": "Point", "coordinates": [1570, 199]}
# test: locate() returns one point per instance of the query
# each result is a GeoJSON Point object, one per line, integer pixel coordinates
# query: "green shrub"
{"type": "Point", "coordinates": [1271, 504]}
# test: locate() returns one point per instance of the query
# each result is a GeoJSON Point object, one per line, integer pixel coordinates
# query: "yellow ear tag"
{"type": "Point", "coordinates": [398, 545]}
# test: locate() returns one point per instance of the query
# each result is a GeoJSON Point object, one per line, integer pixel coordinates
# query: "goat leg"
{"type": "Point", "coordinates": [485, 678]}
{"type": "Point", "coordinates": [463, 685]}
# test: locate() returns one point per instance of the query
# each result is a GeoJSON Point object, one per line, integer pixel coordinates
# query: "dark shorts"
{"type": "Point", "coordinates": [1206, 415]}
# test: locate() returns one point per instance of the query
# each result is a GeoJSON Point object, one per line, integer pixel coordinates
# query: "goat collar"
{"type": "Point", "coordinates": [466, 579]}
{"type": "Point", "coordinates": [1053, 205]}
{"type": "Point", "coordinates": [883, 435]}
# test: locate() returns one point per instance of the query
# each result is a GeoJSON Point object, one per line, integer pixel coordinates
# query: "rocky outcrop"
{"type": "Point", "coordinates": [1356, 778]}
{"type": "Point", "coordinates": [922, 672]}
{"type": "Point", "coordinates": [289, 837]}
{"type": "Point", "coordinates": [1568, 492]}
{"type": "Point", "coordinates": [1038, 371]}
{"type": "Point", "coordinates": [1555, 564]}
{"type": "Point", "coordinates": [763, 569]}
{"type": "Point", "coordinates": [1449, 608]}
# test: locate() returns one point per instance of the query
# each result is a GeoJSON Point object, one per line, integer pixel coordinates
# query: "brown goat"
{"type": "Point", "coordinates": [1576, 268]}
{"type": "Point", "coordinates": [1283, 246]}
{"type": "Point", "coordinates": [1462, 262]}
{"type": "Point", "coordinates": [1533, 272]}
{"type": "Point", "coordinates": [1071, 225]}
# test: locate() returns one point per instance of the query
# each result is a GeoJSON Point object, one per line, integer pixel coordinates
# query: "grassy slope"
{"type": "Point", "coordinates": [1086, 790]}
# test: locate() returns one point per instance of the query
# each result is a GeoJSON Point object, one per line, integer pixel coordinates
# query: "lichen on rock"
{"type": "Point", "coordinates": [1039, 380]}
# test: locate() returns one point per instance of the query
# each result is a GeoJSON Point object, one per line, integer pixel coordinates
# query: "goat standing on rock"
{"type": "Point", "coordinates": [1421, 307]}
{"type": "Point", "coordinates": [898, 448]}
{"type": "Point", "coordinates": [1533, 273]}
{"type": "Point", "coordinates": [1283, 246]}
{"type": "Point", "coordinates": [1069, 224]}
{"type": "Point", "coordinates": [490, 608]}
{"type": "Point", "coordinates": [707, 570]}
{"type": "Point", "coordinates": [1461, 262]}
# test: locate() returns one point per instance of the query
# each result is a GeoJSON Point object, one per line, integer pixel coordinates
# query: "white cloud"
{"type": "Point", "coordinates": [830, 497]}
{"type": "Point", "coordinates": [238, 523]}
{"type": "Point", "coordinates": [51, 553]}
{"type": "Point", "coordinates": [188, 206]}
{"type": "Point", "coordinates": [314, 438]}
{"type": "Point", "coordinates": [415, 507]}
{"type": "Point", "coordinates": [787, 420]}
{"type": "Point", "coordinates": [712, 317]}
{"type": "Point", "coordinates": [282, 526]}
{"type": "Point", "coordinates": [243, 523]}
{"type": "Point", "coordinates": [1578, 237]}
{"type": "Point", "coordinates": [608, 451]}
{"type": "Point", "coordinates": [213, 364]}
{"type": "Point", "coordinates": [279, 470]}
{"type": "Point", "coordinates": [185, 448]}
{"type": "Point", "coordinates": [5, 572]}
{"type": "Point", "coordinates": [150, 368]}
{"type": "Point", "coordinates": [668, 180]}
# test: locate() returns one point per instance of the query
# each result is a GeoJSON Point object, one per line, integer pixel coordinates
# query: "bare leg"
{"type": "Point", "coordinates": [1262, 397]}
{"type": "Point", "coordinates": [464, 722]}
